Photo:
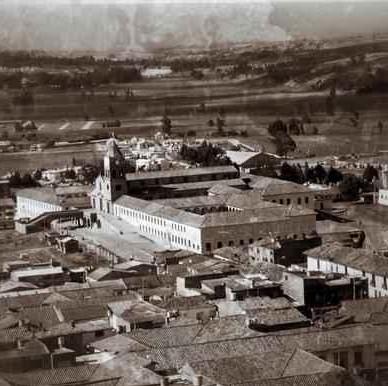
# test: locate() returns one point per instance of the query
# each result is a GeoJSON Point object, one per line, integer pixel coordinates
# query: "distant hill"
{"type": "Point", "coordinates": [112, 27]}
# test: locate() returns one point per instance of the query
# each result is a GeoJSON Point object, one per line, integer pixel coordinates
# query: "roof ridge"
{"type": "Point", "coordinates": [288, 361]}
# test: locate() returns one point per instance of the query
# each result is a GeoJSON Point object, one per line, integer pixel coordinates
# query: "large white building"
{"type": "Point", "coordinates": [239, 219]}
{"type": "Point", "coordinates": [33, 202]}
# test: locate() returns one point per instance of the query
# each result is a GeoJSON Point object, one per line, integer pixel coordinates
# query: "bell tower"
{"type": "Point", "coordinates": [111, 184]}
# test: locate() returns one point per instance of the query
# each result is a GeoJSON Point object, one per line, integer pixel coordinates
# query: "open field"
{"type": "Point", "coordinates": [51, 158]}
{"type": "Point", "coordinates": [247, 103]}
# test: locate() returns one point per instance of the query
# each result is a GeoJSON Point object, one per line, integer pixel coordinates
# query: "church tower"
{"type": "Point", "coordinates": [111, 184]}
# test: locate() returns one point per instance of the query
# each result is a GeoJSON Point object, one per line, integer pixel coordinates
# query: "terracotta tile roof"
{"type": "Point", "coordinates": [319, 379]}
{"type": "Point", "coordinates": [166, 336]}
{"type": "Point", "coordinates": [83, 312]}
{"type": "Point", "coordinates": [261, 366]}
{"type": "Point", "coordinates": [184, 303]}
{"type": "Point", "coordinates": [58, 376]}
{"type": "Point", "coordinates": [30, 349]}
{"type": "Point", "coordinates": [119, 344]}
{"type": "Point", "coordinates": [44, 316]}
{"type": "Point", "coordinates": [313, 340]}
{"type": "Point", "coordinates": [180, 172]}
{"type": "Point", "coordinates": [11, 335]}
{"type": "Point", "coordinates": [272, 186]}
{"type": "Point", "coordinates": [219, 329]}
{"type": "Point", "coordinates": [135, 311]}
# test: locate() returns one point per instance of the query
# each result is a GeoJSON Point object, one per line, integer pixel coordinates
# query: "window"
{"type": "Point", "coordinates": [99, 334]}
{"type": "Point", "coordinates": [208, 247]}
{"type": "Point", "coordinates": [241, 242]}
{"type": "Point", "coordinates": [231, 243]}
{"type": "Point", "coordinates": [373, 282]}
{"type": "Point", "coordinates": [385, 283]}
{"type": "Point", "coordinates": [299, 201]}
{"type": "Point", "coordinates": [343, 359]}
{"type": "Point", "coordinates": [281, 201]}
{"type": "Point", "coordinates": [250, 241]}
{"type": "Point", "coordinates": [219, 244]}
{"type": "Point", "coordinates": [306, 200]}
{"type": "Point", "coordinates": [288, 201]}
{"type": "Point", "coordinates": [358, 359]}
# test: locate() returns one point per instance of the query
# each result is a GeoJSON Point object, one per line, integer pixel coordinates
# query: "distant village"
{"type": "Point", "coordinates": [170, 269]}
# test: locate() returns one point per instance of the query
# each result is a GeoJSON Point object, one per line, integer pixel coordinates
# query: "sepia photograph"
{"type": "Point", "coordinates": [193, 193]}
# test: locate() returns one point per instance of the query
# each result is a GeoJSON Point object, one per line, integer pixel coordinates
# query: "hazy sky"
{"type": "Point", "coordinates": [106, 25]}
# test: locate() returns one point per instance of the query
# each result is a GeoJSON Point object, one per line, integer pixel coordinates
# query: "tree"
{"type": "Point", "coordinates": [27, 181]}
{"type": "Point", "coordinates": [204, 155]}
{"type": "Point", "coordinates": [295, 127]}
{"type": "Point", "coordinates": [37, 175]}
{"type": "Point", "coordinates": [277, 127]}
{"type": "Point", "coordinates": [166, 124]}
{"type": "Point", "coordinates": [197, 74]}
{"type": "Point", "coordinates": [320, 173]}
{"type": "Point", "coordinates": [15, 180]}
{"type": "Point", "coordinates": [350, 187]}
{"type": "Point", "coordinates": [309, 174]}
{"type": "Point", "coordinates": [291, 173]}
{"type": "Point", "coordinates": [334, 176]}
{"type": "Point", "coordinates": [70, 174]}
{"type": "Point", "coordinates": [284, 144]}
{"type": "Point", "coordinates": [370, 173]}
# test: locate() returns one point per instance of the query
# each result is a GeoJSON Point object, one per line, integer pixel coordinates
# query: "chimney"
{"type": "Point", "coordinates": [60, 342]}
{"type": "Point", "coordinates": [197, 381]}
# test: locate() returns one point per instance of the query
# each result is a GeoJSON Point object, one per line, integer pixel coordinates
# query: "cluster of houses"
{"type": "Point", "coordinates": [185, 316]}
{"type": "Point", "coordinates": [204, 276]}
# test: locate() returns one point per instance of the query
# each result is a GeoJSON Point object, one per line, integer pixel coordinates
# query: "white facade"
{"type": "Point", "coordinates": [163, 231]}
{"type": "Point", "coordinates": [377, 283]}
{"type": "Point", "coordinates": [383, 197]}
{"type": "Point", "coordinates": [31, 208]}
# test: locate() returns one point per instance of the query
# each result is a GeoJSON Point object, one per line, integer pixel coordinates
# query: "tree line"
{"type": "Point", "coordinates": [350, 185]}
